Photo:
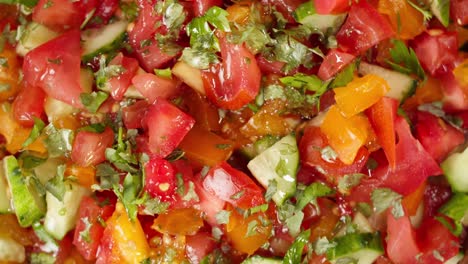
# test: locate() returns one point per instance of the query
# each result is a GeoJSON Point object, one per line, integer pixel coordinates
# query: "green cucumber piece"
{"type": "Point", "coordinates": [28, 203]}
{"type": "Point", "coordinates": [261, 260]}
{"type": "Point", "coordinates": [441, 10]}
{"type": "Point", "coordinates": [5, 201]}
{"type": "Point", "coordinates": [34, 35]}
{"type": "Point", "coordinates": [305, 14]}
{"type": "Point", "coordinates": [455, 168]}
{"type": "Point", "coordinates": [61, 215]}
{"type": "Point", "coordinates": [103, 40]}
{"type": "Point", "coordinates": [252, 150]}
{"type": "Point", "coordinates": [362, 248]}
{"type": "Point", "coordinates": [11, 251]}
{"type": "Point", "coordinates": [278, 163]}
{"type": "Point", "coordinates": [401, 85]}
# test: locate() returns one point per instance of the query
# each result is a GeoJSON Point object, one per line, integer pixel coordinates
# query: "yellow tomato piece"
{"type": "Point", "coordinates": [15, 134]}
{"type": "Point", "coordinates": [9, 73]}
{"type": "Point", "coordinates": [430, 92]}
{"type": "Point", "coordinates": [405, 19]}
{"type": "Point", "coordinates": [238, 13]}
{"type": "Point", "coordinates": [360, 94]}
{"type": "Point", "coordinates": [345, 135]}
{"type": "Point", "coordinates": [86, 176]}
{"type": "Point", "coordinates": [461, 73]}
{"type": "Point", "coordinates": [129, 240]}
{"type": "Point", "coordinates": [184, 221]}
{"type": "Point", "coordinates": [248, 234]}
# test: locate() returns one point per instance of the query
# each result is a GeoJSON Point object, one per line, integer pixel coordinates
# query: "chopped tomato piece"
{"type": "Point", "coordinates": [184, 221]}
{"type": "Point", "coordinates": [406, 21]}
{"type": "Point", "coordinates": [55, 67]}
{"type": "Point", "coordinates": [160, 179]}
{"type": "Point", "coordinates": [401, 240]}
{"type": "Point", "coordinates": [29, 104]}
{"type": "Point", "coordinates": [360, 94]}
{"type": "Point", "coordinates": [382, 117]}
{"type": "Point", "coordinates": [459, 11]}
{"type": "Point", "coordinates": [430, 92]}
{"type": "Point", "coordinates": [198, 246]}
{"type": "Point", "coordinates": [89, 147]}
{"type": "Point", "coordinates": [233, 186]}
{"type": "Point", "coordinates": [167, 126]}
{"type": "Point", "coordinates": [152, 86]}
{"type": "Point", "coordinates": [325, 7]}
{"type": "Point", "coordinates": [236, 81]}
{"type": "Point", "coordinates": [455, 95]}
{"type": "Point", "coordinates": [62, 15]}
{"type": "Point", "coordinates": [134, 114]}
{"type": "Point", "coordinates": [9, 72]}
{"type": "Point", "coordinates": [201, 6]}
{"type": "Point", "coordinates": [364, 27]}
{"type": "Point", "coordinates": [120, 83]}
{"type": "Point", "coordinates": [333, 63]}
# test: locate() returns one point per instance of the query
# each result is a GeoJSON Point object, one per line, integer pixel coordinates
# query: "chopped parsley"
{"type": "Point", "coordinates": [404, 60]}
{"type": "Point", "coordinates": [385, 198]}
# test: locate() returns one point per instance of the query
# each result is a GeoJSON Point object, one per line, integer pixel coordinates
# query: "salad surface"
{"type": "Point", "coordinates": [243, 131]}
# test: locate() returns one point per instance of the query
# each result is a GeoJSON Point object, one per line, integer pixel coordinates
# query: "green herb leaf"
{"type": "Point", "coordinates": [384, 198]}
{"type": "Point", "coordinates": [344, 77]}
{"type": "Point", "coordinates": [405, 60]}
{"type": "Point", "coordinates": [84, 234]}
{"type": "Point", "coordinates": [56, 185]}
{"type": "Point", "coordinates": [94, 100]}
{"type": "Point", "coordinates": [35, 132]}
{"type": "Point", "coordinates": [424, 11]}
{"type": "Point", "coordinates": [154, 206]}
{"type": "Point", "coordinates": [191, 194]}
{"type": "Point", "coordinates": [294, 223]}
{"type": "Point", "coordinates": [58, 142]}
{"type": "Point", "coordinates": [106, 72]}
{"type": "Point", "coordinates": [287, 49]}
{"type": "Point", "coordinates": [165, 73]}
{"type": "Point", "coordinates": [42, 258]}
{"type": "Point", "coordinates": [457, 210]}
{"type": "Point", "coordinates": [303, 11]}
{"type": "Point", "coordinates": [294, 253]}
{"type": "Point", "coordinates": [347, 182]}
{"type": "Point", "coordinates": [310, 194]}
{"type": "Point", "coordinates": [222, 217]}
{"type": "Point", "coordinates": [29, 161]}
{"type": "Point", "coordinates": [300, 80]}
{"type": "Point", "coordinates": [322, 245]}
{"type": "Point", "coordinates": [108, 176]}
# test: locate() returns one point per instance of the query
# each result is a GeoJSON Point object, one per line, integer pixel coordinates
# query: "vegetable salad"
{"type": "Point", "coordinates": [247, 131]}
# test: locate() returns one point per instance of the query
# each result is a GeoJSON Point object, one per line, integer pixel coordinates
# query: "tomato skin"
{"type": "Point", "coordinates": [271, 67]}
{"type": "Point", "coordinates": [364, 27]}
{"type": "Point", "coordinates": [401, 240]}
{"type": "Point", "coordinates": [325, 7]}
{"type": "Point", "coordinates": [209, 203]}
{"type": "Point", "coordinates": [167, 125]}
{"type": "Point", "coordinates": [224, 182]}
{"type": "Point", "coordinates": [89, 147]}
{"type": "Point", "coordinates": [160, 179]}
{"type": "Point", "coordinates": [134, 114]}
{"type": "Point", "coordinates": [152, 87]}
{"type": "Point", "coordinates": [104, 11]}
{"type": "Point", "coordinates": [333, 63]}
{"type": "Point", "coordinates": [459, 11]}
{"type": "Point", "coordinates": [436, 136]}
{"type": "Point", "coordinates": [62, 15]}
{"type": "Point", "coordinates": [55, 67]}
{"type": "Point", "coordinates": [90, 210]}
{"type": "Point", "coordinates": [119, 84]}
{"type": "Point", "coordinates": [286, 7]}
{"type": "Point", "coordinates": [29, 103]}
{"type": "Point", "coordinates": [236, 81]}
{"type": "Point", "coordinates": [437, 51]}
{"type": "Point", "coordinates": [201, 6]}
{"type": "Point", "coordinates": [310, 145]}
{"type": "Point", "coordinates": [198, 246]}
{"type": "Point", "coordinates": [433, 236]}
{"type": "Point", "coordinates": [395, 10]}
{"type": "Point", "coordinates": [455, 95]}
{"type": "Point", "coordinates": [381, 116]}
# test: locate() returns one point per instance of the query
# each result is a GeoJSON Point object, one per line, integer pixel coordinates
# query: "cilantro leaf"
{"type": "Point", "coordinates": [154, 206]}
{"type": "Point", "coordinates": [84, 234]}
{"type": "Point", "coordinates": [42, 258]}
{"type": "Point", "coordinates": [300, 80]}
{"type": "Point", "coordinates": [424, 11]}
{"type": "Point", "coordinates": [108, 176]}
{"type": "Point", "coordinates": [129, 192]}
{"type": "Point", "coordinates": [56, 185]}
{"type": "Point", "coordinates": [29, 161]}
{"type": "Point", "coordinates": [405, 60]}
{"type": "Point", "coordinates": [222, 217]}
{"type": "Point", "coordinates": [94, 100]}
{"type": "Point", "coordinates": [294, 253]}
{"type": "Point", "coordinates": [456, 209]}
{"type": "Point", "coordinates": [344, 77]}
{"type": "Point", "coordinates": [322, 245]}
{"type": "Point", "coordinates": [348, 181]}
{"type": "Point", "coordinates": [384, 198]}
{"type": "Point", "coordinates": [289, 50]}
{"type": "Point", "coordinates": [310, 194]}
{"type": "Point", "coordinates": [58, 141]}
{"type": "Point", "coordinates": [35, 132]}
{"type": "Point", "coordinates": [294, 223]}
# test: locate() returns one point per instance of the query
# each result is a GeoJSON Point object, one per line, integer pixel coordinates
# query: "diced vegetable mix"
{"type": "Point", "coordinates": [209, 131]}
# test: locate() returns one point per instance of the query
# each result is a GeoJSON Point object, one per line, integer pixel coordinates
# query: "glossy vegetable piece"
{"type": "Point", "coordinates": [57, 64]}
{"type": "Point", "coordinates": [152, 86]}
{"type": "Point", "coordinates": [89, 147]}
{"type": "Point", "coordinates": [85, 176]}
{"type": "Point", "coordinates": [429, 92]}
{"type": "Point", "coordinates": [461, 73]}
{"type": "Point", "coordinates": [9, 73]}
{"type": "Point", "coordinates": [360, 94]}
{"type": "Point", "coordinates": [333, 63]}
{"type": "Point", "coordinates": [184, 221]}
{"type": "Point", "coordinates": [311, 145]}
{"type": "Point", "coordinates": [406, 21]}
{"type": "Point", "coordinates": [331, 6]}
{"type": "Point", "coordinates": [201, 6]}
{"type": "Point", "coordinates": [61, 15]}
{"type": "Point", "coordinates": [412, 201]}
{"type": "Point", "coordinates": [459, 11]}
{"type": "Point", "coordinates": [236, 81]}
{"type": "Point", "coordinates": [89, 229]}
{"type": "Point", "coordinates": [198, 246]}
{"type": "Point", "coordinates": [167, 126]}
{"type": "Point", "coordinates": [345, 135]}
{"type": "Point", "coordinates": [436, 136]}
{"type": "Point", "coordinates": [205, 114]}
{"type": "Point", "coordinates": [401, 240]}
{"type": "Point", "coordinates": [119, 84]}
{"type": "Point", "coordinates": [160, 179]}
{"type": "Point", "coordinates": [233, 186]}
{"type": "Point", "coordinates": [205, 148]}
{"type": "Point", "coordinates": [123, 240]}
{"type": "Point", "coordinates": [133, 115]}
{"type": "Point", "coordinates": [382, 116]}
{"type": "Point", "coordinates": [437, 51]}
{"type": "Point", "coordinates": [29, 104]}
{"type": "Point", "coordinates": [455, 95]}
{"type": "Point", "coordinates": [363, 28]}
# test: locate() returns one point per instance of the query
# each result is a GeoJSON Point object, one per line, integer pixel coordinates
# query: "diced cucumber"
{"type": "Point", "coordinates": [278, 164]}
{"type": "Point", "coordinates": [5, 201]}
{"type": "Point", "coordinates": [48, 169]}
{"type": "Point", "coordinates": [103, 40]}
{"type": "Point", "coordinates": [455, 259]}
{"type": "Point", "coordinates": [261, 260]}
{"type": "Point", "coordinates": [11, 251]}
{"type": "Point", "coordinates": [401, 85]}
{"type": "Point", "coordinates": [34, 35]}
{"type": "Point", "coordinates": [455, 169]}
{"type": "Point", "coordinates": [252, 150]}
{"type": "Point", "coordinates": [441, 10]}
{"type": "Point", "coordinates": [29, 205]}
{"type": "Point", "coordinates": [61, 215]}
{"type": "Point", "coordinates": [361, 248]}
{"type": "Point", "coordinates": [305, 14]}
